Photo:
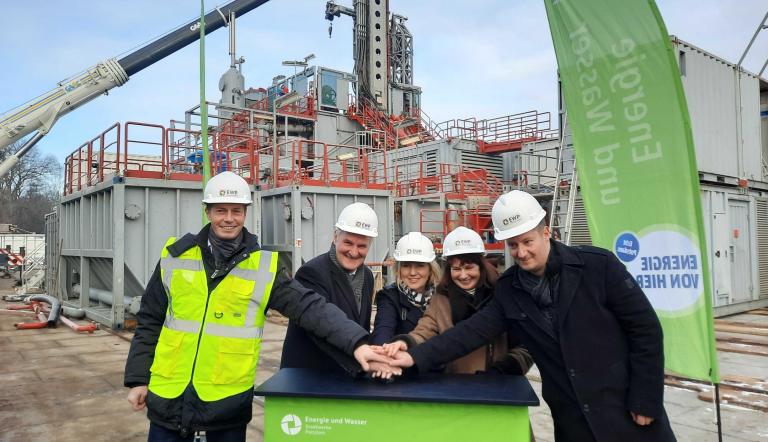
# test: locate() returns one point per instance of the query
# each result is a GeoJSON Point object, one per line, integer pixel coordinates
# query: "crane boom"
{"type": "Point", "coordinates": [42, 113]}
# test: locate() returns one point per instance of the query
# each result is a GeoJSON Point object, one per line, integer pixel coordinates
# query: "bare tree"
{"type": "Point", "coordinates": [30, 189]}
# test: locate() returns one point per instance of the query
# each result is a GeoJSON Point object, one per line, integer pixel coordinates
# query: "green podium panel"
{"type": "Point", "coordinates": [305, 419]}
{"type": "Point", "coordinates": [303, 405]}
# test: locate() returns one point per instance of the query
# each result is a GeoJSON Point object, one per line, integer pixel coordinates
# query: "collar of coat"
{"type": "Point", "coordinates": [568, 257]}
{"type": "Point", "coordinates": [570, 277]}
{"type": "Point", "coordinates": [463, 305]}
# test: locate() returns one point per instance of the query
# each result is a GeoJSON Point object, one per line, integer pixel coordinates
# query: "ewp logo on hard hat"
{"type": "Point", "coordinates": [413, 252]}
{"type": "Point", "coordinates": [363, 225]}
{"type": "Point", "coordinates": [227, 192]}
{"type": "Point", "coordinates": [291, 424]}
{"type": "Point", "coordinates": [462, 242]}
{"type": "Point", "coordinates": [511, 219]}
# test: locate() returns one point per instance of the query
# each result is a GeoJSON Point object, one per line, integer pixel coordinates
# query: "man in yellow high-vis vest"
{"type": "Point", "coordinates": [193, 357]}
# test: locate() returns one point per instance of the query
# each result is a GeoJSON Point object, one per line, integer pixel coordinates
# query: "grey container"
{"type": "Point", "coordinates": [298, 221]}
{"type": "Point", "coordinates": [113, 233]}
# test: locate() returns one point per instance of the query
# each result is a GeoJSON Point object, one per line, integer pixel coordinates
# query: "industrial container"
{"type": "Point", "coordinates": [113, 233]}
{"type": "Point", "coordinates": [298, 221]}
{"type": "Point", "coordinates": [724, 106]}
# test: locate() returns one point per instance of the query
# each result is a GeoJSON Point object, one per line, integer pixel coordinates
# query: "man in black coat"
{"type": "Point", "coordinates": [342, 278]}
{"type": "Point", "coordinates": [590, 329]}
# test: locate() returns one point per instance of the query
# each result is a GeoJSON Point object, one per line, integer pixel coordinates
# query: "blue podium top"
{"type": "Point", "coordinates": [442, 388]}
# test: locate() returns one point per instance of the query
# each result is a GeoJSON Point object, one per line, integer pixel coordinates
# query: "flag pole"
{"type": "Point", "coordinates": [717, 408]}
{"type": "Point", "coordinates": [206, 158]}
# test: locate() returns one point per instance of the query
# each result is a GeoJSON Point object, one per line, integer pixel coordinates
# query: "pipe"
{"type": "Point", "coordinates": [21, 307]}
{"type": "Point", "coordinates": [72, 312]}
{"type": "Point", "coordinates": [53, 316]}
{"type": "Point", "coordinates": [43, 323]}
{"type": "Point", "coordinates": [30, 325]}
{"type": "Point", "coordinates": [102, 296]}
{"type": "Point", "coordinates": [6, 311]}
{"type": "Point", "coordinates": [90, 328]}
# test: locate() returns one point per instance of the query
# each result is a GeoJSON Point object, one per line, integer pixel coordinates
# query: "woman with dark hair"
{"type": "Point", "coordinates": [466, 286]}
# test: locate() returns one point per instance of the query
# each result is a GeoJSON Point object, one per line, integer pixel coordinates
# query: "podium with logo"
{"type": "Point", "coordinates": [304, 405]}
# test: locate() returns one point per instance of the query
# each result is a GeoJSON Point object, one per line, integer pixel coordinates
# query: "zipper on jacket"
{"type": "Point", "coordinates": [200, 333]}
{"type": "Point", "coordinates": [227, 269]}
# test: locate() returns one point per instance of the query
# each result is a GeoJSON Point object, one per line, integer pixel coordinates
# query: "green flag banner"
{"type": "Point", "coordinates": [636, 163]}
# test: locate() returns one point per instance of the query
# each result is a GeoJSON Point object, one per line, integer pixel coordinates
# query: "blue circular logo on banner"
{"type": "Point", "coordinates": [627, 247]}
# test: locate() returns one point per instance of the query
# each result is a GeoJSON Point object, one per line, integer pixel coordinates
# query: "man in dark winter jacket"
{"type": "Point", "coordinates": [590, 329]}
{"type": "Point", "coordinates": [341, 277]}
{"type": "Point", "coordinates": [193, 357]}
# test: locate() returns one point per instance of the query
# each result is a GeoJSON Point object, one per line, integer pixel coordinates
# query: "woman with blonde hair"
{"type": "Point", "coordinates": [399, 306]}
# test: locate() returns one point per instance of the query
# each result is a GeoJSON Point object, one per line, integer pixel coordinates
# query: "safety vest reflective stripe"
{"type": "Point", "coordinates": [169, 264]}
{"type": "Point", "coordinates": [173, 263]}
{"type": "Point", "coordinates": [211, 338]}
{"type": "Point", "coordinates": [181, 324]}
{"type": "Point", "coordinates": [261, 277]}
{"type": "Point", "coordinates": [250, 275]}
{"type": "Point", "coordinates": [265, 275]}
{"type": "Point", "coordinates": [233, 332]}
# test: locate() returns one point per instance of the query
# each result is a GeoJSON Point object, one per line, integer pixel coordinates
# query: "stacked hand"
{"type": "Point", "coordinates": [397, 352]}
{"type": "Point", "coordinates": [384, 361]}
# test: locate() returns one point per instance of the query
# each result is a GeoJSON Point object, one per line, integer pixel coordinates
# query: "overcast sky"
{"type": "Point", "coordinates": [481, 58]}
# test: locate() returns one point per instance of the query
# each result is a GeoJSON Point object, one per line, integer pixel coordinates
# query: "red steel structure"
{"type": "Point", "coordinates": [175, 156]}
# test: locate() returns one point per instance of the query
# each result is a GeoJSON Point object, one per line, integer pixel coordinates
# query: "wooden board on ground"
{"type": "Point", "coordinates": [746, 383]}
{"type": "Point", "coordinates": [742, 330]}
{"type": "Point", "coordinates": [746, 349]}
{"type": "Point", "coordinates": [743, 391]}
{"type": "Point", "coordinates": [741, 339]}
{"type": "Point", "coordinates": [738, 397]}
{"type": "Point", "coordinates": [738, 382]}
{"type": "Point", "coordinates": [742, 323]}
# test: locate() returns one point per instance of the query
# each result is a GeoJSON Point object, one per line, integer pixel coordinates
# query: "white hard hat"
{"type": "Point", "coordinates": [515, 213]}
{"type": "Point", "coordinates": [359, 218]}
{"type": "Point", "coordinates": [414, 247]}
{"type": "Point", "coordinates": [227, 187]}
{"type": "Point", "coordinates": [462, 240]}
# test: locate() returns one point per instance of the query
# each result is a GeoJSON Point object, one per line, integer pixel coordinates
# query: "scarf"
{"type": "Point", "coordinates": [419, 300]}
{"type": "Point", "coordinates": [544, 289]}
{"type": "Point", "coordinates": [465, 303]}
{"type": "Point", "coordinates": [223, 249]}
{"type": "Point", "coordinates": [355, 278]}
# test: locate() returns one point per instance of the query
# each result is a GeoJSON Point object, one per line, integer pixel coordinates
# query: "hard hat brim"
{"type": "Point", "coordinates": [467, 251]}
{"type": "Point", "coordinates": [522, 228]}
{"type": "Point", "coordinates": [414, 258]}
{"type": "Point", "coordinates": [227, 200]}
{"type": "Point", "coordinates": [357, 231]}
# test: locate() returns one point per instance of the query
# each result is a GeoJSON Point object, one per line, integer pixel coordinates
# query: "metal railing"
{"type": "Point", "coordinates": [494, 134]}
{"type": "Point", "coordinates": [313, 163]}
{"type": "Point", "coordinates": [423, 178]}
{"type": "Point", "coordinates": [33, 267]}
{"type": "Point", "coordinates": [300, 162]}
{"type": "Point", "coordinates": [437, 223]}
